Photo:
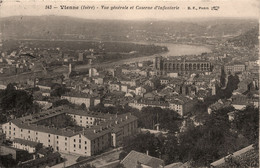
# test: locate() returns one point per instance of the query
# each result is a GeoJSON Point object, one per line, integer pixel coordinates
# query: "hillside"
{"type": "Point", "coordinates": [248, 39]}
{"type": "Point", "coordinates": [62, 27]}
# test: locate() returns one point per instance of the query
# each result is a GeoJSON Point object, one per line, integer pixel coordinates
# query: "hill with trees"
{"type": "Point", "coordinates": [248, 39]}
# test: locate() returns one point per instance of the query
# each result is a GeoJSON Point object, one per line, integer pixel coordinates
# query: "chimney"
{"type": "Point", "coordinates": [126, 117]}
{"type": "Point", "coordinates": [94, 131]}
{"type": "Point", "coordinates": [147, 152]}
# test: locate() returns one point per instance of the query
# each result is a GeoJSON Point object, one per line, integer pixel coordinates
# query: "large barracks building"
{"type": "Point", "coordinates": [98, 131]}
{"type": "Point", "coordinates": [162, 66]}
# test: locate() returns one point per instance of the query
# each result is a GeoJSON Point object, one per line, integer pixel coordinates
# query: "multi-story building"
{"type": "Point", "coordinates": [98, 131]}
{"type": "Point", "coordinates": [162, 66]}
{"type": "Point", "coordinates": [139, 104]}
{"type": "Point", "coordinates": [234, 68]}
{"type": "Point", "coordinates": [81, 99]}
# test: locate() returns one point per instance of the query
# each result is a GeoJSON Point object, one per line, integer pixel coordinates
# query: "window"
{"type": "Point", "coordinates": [14, 129]}
{"type": "Point", "coordinates": [74, 146]}
{"type": "Point", "coordinates": [57, 142]}
{"type": "Point", "coordinates": [85, 148]}
{"type": "Point", "coordinates": [65, 148]}
{"type": "Point", "coordinates": [49, 135]}
{"type": "Point", "coordinates": [57, 137]}
{"type": "Point", "coordinates": [65, 138]}
{"type": "Point", "coordinates": [74, 140]}
{"type": "Point", "coordinates": [36, 133]}
{"type": "Point", "coordinates": [80, 141]}
{"type": "Point", "coordinates": [10, 127]}
{"type": "Point", "coordinates": [49, 140]}
{"type": "Point", "coordinates": [14, 133]}
{"type": "Point", "coordinates": [65, 143]}
{"type": "Point", "coordinates": [29, 131]}
{"type": "Point", "coordinates": [85, 142]}
{"type": "Point", "coordinates": [79, 146]}
{"type": "Point", "coordinates": [80, 117]}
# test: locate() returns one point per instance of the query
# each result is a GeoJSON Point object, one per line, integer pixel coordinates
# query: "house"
{"type": "Point", "coordinates": [124, 88]}
{"type": "Point", "coordinates": [164, 81]}
{"type": "Point", "coordinates": [137, 159]}
{"type": "Point", "coordinates": [114, 86]}
{"type": "Point", "coordinates": [248, 156]}
{"type": "Point", "coordinates": [182, 105]}
{"type": "Point", "coordinates": [99, 80]}
{"type": "Point", "coordinates": [2, 137]}
{"type": "Point", "coordinates": [140, 90]}
{"type": "Point", "coordinates": [29, 146]}
{"type": "Point", "coordinates": [140, 103]}
{"type": "Point", "coordinates": [149, 83]}
{"type": "Point", "coordinates": [42, 162]}
{"type": "Point", "coordinates": [17, 154]}
{"type": "Point", "coordinates": [44, 104]}
{"type": "Point", "coordinates": [240, 101]}
{"type": "Point", "coordinates": [80, 98]}
{"type": "Point", "coordinates": [220, 104]}
{"type": "Point", "coordinates": [234, 68]}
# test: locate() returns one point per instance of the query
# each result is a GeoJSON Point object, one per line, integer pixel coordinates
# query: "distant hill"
{"type": "Point", "coordinates": [62, 27]}
{"type": "Point", "coordinates": [248, 39]}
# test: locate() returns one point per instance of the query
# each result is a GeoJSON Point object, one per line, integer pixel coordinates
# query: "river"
{"type": "Point", "coordinates": [173, 50]}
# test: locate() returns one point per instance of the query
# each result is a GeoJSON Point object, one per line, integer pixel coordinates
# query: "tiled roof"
{"type": "Point", "coordinates": [133, 158]}
{"type": "Point", "coordinates": [25, 142]}
{"type": "Point", "coordinates": [114, 124]}
{"type": "Point", "coordinates": [87, 113]}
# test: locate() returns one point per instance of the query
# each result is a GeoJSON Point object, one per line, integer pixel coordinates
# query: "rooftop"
{"type": "Point", "coordinates": [111, 123]}
{"type": "Point", "coordinates": [133, 158]}
{"type": "Point", "coordinates": [25, 142]}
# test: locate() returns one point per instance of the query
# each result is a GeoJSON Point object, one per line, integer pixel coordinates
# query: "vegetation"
{"type": "Point", "coordinates": [16, 102]}
{"type": "Point", "coordinates": [201, 145]}
{"type": "Point", "coordinates": [248, 39]}
{"type": "Point", "coordinates": [147, 117]}
{"type": "Point", "coordinates": [160, 146]}
{"type": "Point", "coordinates": [58, 90]}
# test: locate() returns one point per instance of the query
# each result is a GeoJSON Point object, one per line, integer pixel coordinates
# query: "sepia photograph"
{"type": "Point", "coordinates": [129, 84]}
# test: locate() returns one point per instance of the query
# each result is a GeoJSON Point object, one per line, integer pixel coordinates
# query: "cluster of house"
{"type": "Point", "coordinates": [98, 131]}
{"type": "Point", "coordinates": [13, 64]}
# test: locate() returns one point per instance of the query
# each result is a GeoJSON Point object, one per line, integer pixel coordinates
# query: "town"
{"type": "Point", "coordinates": [98, 103]}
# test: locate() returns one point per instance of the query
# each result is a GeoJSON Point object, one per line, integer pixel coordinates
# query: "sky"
{"type": "Point", "coordinates": [227, 8]}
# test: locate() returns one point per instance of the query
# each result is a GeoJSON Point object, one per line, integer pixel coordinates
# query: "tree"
{"type": "Point", "coordinates": [58, 90]}
{"type": "Point", "coordinates": [247, 123]}
{"type": "Point", "coordinates": [61, 103]}
{"type": "Point", "coordinates": [208, 142]}
{"type": "Point", "coordinates": [18, 101]}
{"type": "Point", "coordinates": [83, 106]}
